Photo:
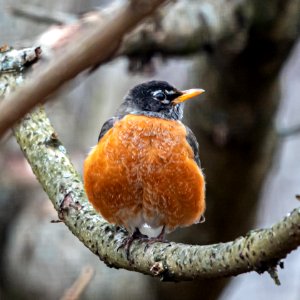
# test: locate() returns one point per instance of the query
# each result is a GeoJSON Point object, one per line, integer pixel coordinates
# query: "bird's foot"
{"type": "Point", "coordinates": [160, 238]}
{"type": "Point", "coordinates": [127, 242]}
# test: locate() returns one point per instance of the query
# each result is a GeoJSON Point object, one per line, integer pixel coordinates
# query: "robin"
{"type": "Point", "coordinates": [145, 170]}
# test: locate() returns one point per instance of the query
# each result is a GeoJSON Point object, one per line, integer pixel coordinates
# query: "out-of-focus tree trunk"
{"type": "Point", "coordinates": [234, 128]}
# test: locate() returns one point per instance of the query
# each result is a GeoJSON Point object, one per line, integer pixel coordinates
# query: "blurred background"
{"type": "Point", "coordinates": [247, 125]}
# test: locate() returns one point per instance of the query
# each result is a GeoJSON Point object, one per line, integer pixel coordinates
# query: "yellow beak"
{"type": "Point", "coordinates": [188, 94]}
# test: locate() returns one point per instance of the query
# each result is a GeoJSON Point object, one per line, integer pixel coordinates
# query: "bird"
{"type": "Point", "coordinates": [145, 171]}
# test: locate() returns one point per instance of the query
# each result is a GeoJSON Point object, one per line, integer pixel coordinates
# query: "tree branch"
{"type": "Point", "coordinates": [81, 283]}
{"type": "Point", "coordinates": [191, 25]}
{"type": "Point", "coordinates": [260, 250]}
{"type": "Point", "coordinates": [95, 47]}
{"type": "Point", "coordinates": [186, 27]}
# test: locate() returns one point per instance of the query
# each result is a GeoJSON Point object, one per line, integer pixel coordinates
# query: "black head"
{"type": "Point", "coordinates": [157, 99]}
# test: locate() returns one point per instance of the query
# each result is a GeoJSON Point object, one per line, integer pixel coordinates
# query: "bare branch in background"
{"type": "Point", "coordinates": [291, 131]}
{"type": "Point", "coordinates": [95, 47]}
{"type": "Point", "coordinates": [79, 286]}
{"type": "Point", "coordinates": [185, 27]}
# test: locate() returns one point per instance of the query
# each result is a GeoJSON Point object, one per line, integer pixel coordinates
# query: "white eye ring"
{"type": "Point", "coordinates": [165, 101]}
{"type": "Point", "coordinates": [159, 95]}
{"type": "Point", "coordinates": [171, 92]}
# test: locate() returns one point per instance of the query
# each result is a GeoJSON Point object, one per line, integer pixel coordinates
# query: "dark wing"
{"type": "Point", "coordinates": [106, 126]}
{"type": "Point", "coordinates": [190, 137]}
{"type": "Point", "coordinates": [109, 124]}
{"type": "Point", "coordinates": [194, 144]}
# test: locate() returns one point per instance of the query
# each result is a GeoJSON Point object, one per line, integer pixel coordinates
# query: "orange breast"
{"type": "Point", "coordinates": [143, 172]}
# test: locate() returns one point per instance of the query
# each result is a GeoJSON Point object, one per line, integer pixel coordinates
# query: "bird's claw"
{"type": "Point", "coordinates": [127, 242]}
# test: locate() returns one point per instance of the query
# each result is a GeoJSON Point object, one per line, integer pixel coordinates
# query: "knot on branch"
{"type": "Point", "coordinates": [274, 274]}
{"type": "Point", "coordinates": [67, 204]}
{"type": "Point", "coordinates": [157, 269]}
{"type": "Point", "coordinates": [54, 142]}
{"type": "Point", "coordinates": [12, 60]}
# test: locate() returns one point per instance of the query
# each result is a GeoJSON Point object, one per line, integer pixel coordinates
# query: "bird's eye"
{"type": "Point", "coordinates": [159, 96]}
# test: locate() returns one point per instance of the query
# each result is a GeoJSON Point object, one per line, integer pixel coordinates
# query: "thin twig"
{"type": "Point", "coordinates": [80, 284]}
{"type": "Point", "coordinates": [291, 131]}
